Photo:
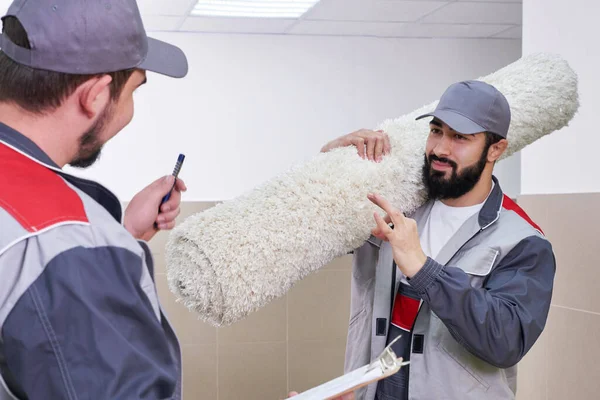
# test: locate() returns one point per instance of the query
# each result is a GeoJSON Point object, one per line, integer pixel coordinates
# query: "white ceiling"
{"type": "Point", "coordinates": [380, 18]}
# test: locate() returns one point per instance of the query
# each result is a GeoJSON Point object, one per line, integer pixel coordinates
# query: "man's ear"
{"type": "Point", "coordinates": [94, 95]}
{"type": "Point", "coordinates": [496, 150]}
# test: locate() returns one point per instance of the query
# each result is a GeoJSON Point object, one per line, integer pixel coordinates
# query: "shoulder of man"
{"type": "Point", "coordinates": [516, 219]}
{"type": "Point", "coordinates": [74, 278]}
{"type": "Point", "coordinates": [53, 238]}
{"type": "Point", "coordinates": [49, 227]}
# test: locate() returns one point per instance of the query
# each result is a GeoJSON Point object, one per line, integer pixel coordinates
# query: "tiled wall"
{"type": "Point", "coordinates": [564, 363]}
{"type": "Point", "coordinates": [298, 341]}
{"type": "Point", "coordinates": [294, 343]}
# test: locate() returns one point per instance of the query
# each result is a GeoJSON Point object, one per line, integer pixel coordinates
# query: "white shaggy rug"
{"type": "Point", "coordinates": [235, 258]}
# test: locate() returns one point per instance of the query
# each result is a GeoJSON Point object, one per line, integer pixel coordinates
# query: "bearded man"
{"type": "Point", "coordinates": [80, 317]}
{"type": "Point", "coordinates": [466, 280]}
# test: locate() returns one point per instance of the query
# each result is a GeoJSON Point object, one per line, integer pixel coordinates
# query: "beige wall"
{"type": "Point", "coordinates": [298, 341]}
{"type": "Point", "coordinates": [564, 365]}
{"type": "Point", "coordinates": [294, 343]}
{"type": "Point", "coordinates": [564, 362]}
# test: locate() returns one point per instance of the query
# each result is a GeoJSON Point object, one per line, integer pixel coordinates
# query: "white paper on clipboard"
{"type": "Point", "coordinates": [385, 365]}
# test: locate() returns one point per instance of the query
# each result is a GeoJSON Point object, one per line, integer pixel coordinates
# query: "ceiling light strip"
{"type": "Point", "coordinates": [302, 4]}
{"type": "Point", "coordinates": [259, 8]}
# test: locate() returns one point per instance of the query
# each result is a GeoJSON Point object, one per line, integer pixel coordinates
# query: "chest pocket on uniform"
{"type": "Point", "coordinates": [477, 261]}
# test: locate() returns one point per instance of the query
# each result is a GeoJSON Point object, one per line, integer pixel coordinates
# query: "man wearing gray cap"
{"type": "Point", "coordinates": [466, 281]}
{"type": "Point", "coordinates": [79, 311]}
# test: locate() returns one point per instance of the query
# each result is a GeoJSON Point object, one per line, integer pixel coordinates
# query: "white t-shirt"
{"type": "Point", "coordinates": [442, 224]}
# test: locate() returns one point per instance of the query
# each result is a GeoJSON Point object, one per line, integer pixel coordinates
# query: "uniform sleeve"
{"type": "Point", "coordinates": [502, 320]}
{"type": "Point", "coordinates": [85, 329]}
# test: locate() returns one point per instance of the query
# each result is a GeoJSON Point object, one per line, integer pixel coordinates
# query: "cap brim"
{"type": "Point", "coordinates": [458, 122]}
{"type": "Point", "coordinates": [165, 59]}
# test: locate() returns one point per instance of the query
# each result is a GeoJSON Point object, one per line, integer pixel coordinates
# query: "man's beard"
{"type": "Point", "coordinates": [89, 143]}
{"type": "Point", "coordinates": [440, 188]}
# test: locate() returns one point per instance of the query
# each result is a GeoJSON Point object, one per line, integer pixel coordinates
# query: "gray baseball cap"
{"type": "Point", "coordinates": [89, 37]}
{"type": "Point", "coordinates": [471, 107]}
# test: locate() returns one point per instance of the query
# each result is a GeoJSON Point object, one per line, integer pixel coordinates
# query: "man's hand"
{"type": "Point", "coordinates": [370, 144]}
{"type": "Point", "coordinates": [404, 237]}
{"type": "Point", "coordinates": [349, 396]}
{"type": "Point", "coordinates": [142, 212]}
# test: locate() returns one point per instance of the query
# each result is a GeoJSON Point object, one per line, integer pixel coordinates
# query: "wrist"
{"type": "Point", "coordinates": [427, 276]}
{"type": "Point", "coordinates": [147, 236]}
{"type": "Point", "coordinates": [131, 230]}
{"type": "Point", "coordinates": [415, 265]}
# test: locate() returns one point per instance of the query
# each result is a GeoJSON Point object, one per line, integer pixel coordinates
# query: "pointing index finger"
{"type": "Point", "coordinates": [386, 206]}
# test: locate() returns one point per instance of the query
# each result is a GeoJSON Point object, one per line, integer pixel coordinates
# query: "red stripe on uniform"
{"type": "Point", "coordinates": [34, 195]}
{"type": "Point", "coordinates": [405, 312]}
{"type": "Point", "coordinates": [509, 204]}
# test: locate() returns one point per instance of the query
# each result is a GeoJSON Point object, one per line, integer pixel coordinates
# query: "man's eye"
{"type": "Point", "coordinates": [435, 131]}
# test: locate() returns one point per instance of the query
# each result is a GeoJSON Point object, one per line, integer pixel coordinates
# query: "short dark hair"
{"type": "Point", "coordinates": [491, 138]}
{"type": "Point", "coordinates": [39, 91]}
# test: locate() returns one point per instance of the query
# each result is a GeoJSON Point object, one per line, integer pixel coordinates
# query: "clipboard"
{"type": "Point", "coordinates": [385, 365]}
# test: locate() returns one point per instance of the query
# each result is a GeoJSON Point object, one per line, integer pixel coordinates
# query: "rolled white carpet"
{"type": "Point", "coordinates": [236, 257]}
